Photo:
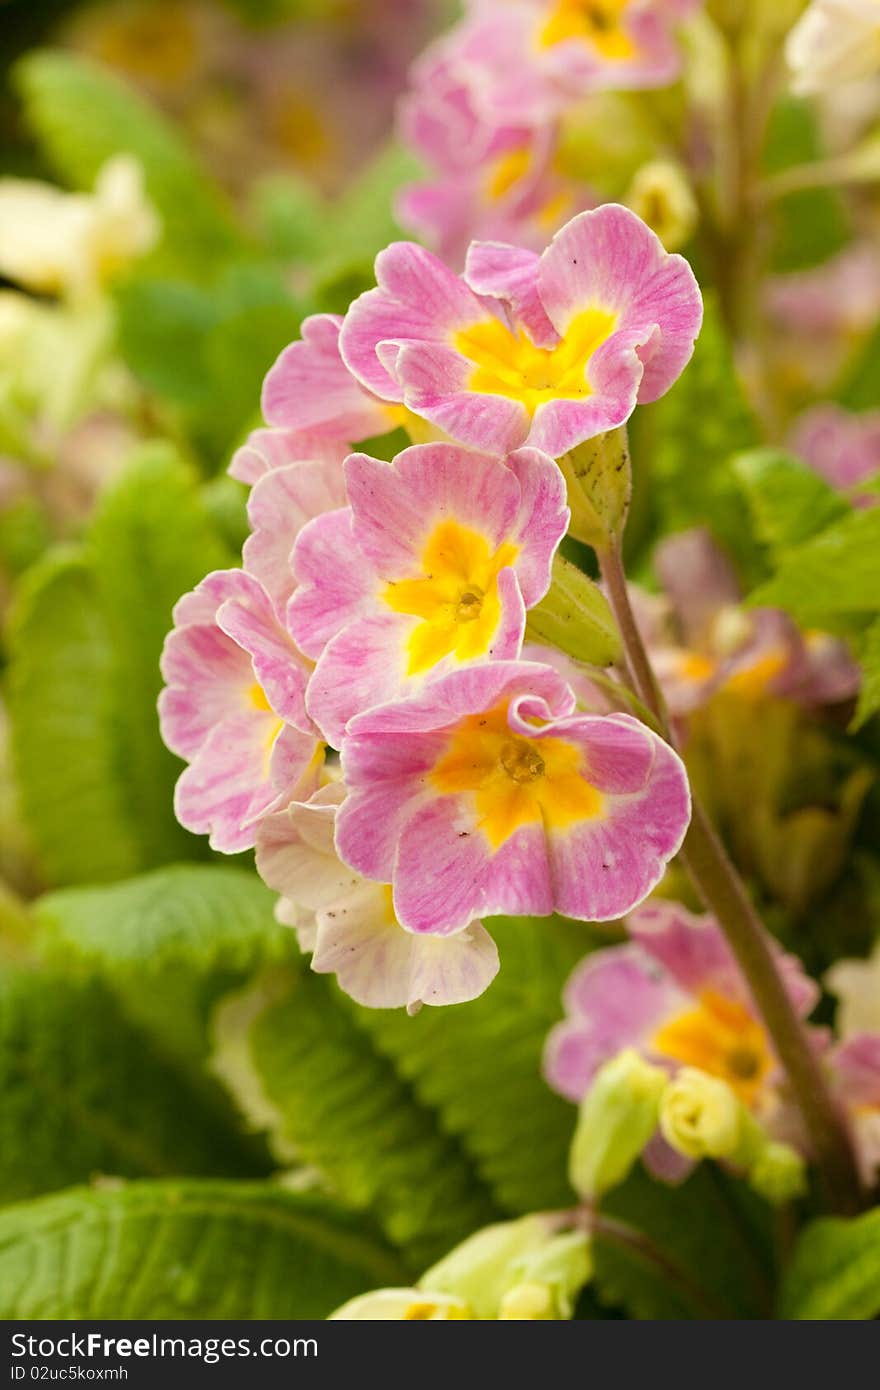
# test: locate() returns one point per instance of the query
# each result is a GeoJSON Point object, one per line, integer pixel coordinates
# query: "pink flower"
{"type": "Point", "coordinates": [702, 641]}
{"type": "Point", "coordinates": [548, 351]}
{"type": "Point", "coordinates": [844, 448]}
{"type": "Point", "coordinates": [432, 566]}
{"type": "Point", "coordinates": [280, 504]}
{"type": "Point", "coordinates": [348, 922]}
{"type": "Point", "coordinates": [487, 793]}
{"type": "Point", "coordinates": [234, 709]}
{"type": "Point", "coordinates": [534, 56]}
{"type": "Point", "coordinates": [490, 181]}
{"type": "Point", "coordinates": [676, 994]}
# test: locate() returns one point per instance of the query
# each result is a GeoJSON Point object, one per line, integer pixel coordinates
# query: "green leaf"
{"type": "Point", "coordinates": [789, 503]}
{"type": "Point", "coordinates": [154, 1250]}
{"type": "Point", "coordinates": [96, 781]}
{"type": "Point", "coordinates": [834, 1273]}
{"type": "Point", "coordinates": [811, 225]}
{"type": "Point", "coordinates": [869, 695]}
{"type": "Point", "coordinates": [83, 114]}
{"type": "Point", "coordinates": [859, 387]}
{"type": "Point", "coordinates": [686, 441]}
{"type": "Point", "coordinates": [835, 574]}
{"type": "Point", "coordinates": [479, 1064]}
{"type": "Point", "coordinates": [85, 1092]}
{"type": "Point", "coordinates": [713, 1232]}
{"type": "Point", "coordinates": [63, 738]}
{"type": "Point", "coordinates": [167, 943]}
{"type": "Point", "coordinates": [300, 1066]}
{"type": "Point", "coordinates": [206, 350]}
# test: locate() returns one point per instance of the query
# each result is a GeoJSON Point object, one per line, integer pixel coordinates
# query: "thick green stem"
{"type": "Point", "coordinates": [724, 894]}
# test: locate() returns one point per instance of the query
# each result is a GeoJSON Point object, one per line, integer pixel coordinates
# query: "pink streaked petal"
{"type": "Point", "coordinates": [537, 689]}
{"type": "Point", "coordinates": [664, 1162]}
{"type": "Point", "coordinates": [609, 259]}
{"type": "Point", "coordinates": [510, 273]}
{"type": "Point", "coordinates": [856, 1068]}
{"type": "Point", "coordinates": [208, 678]}
{"type": "Point", "coordinates": [603, 868]}
{"type": "Point", "coordinates": [201, 604]}
{"type": "Point", "coordinates": [435, 381]}
{"type": "Point", "coordinates": [418, 299]}
{"type": "Point", "coordinates": [561, 425]}
{"type": "Point", "coordinates": [336, 582]}
{"type": "Point", "coordinates": [362, 666]}
{"type": "Point", "coordinates": [226, 785]}
{"type": "Point", "coordinates": [249, 619]}
{"type": "Point", "coordinates": [280, 505]}
{"type": "Point", "coordinates": [265, 450]}
{"type": "Point", "coordinates": [309, 388]}
{"type": "Point", "coordinates": [370, 820]}
{"type": "Point", "coordinates": [296, 855]}
{"type": "Point", "coordinates": [542, 521]}
{"type": "Point", "coordinates": [445, 874]}
{"type": "Point", "coordinates": [396, 508]}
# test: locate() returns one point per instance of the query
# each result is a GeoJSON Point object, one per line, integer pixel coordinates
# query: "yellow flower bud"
{"type": "Point", "coordinates": [402, 1305]}
{"type": "Point", "coordinates": [778, 1174]}
{"type": "Point", "coordinates": [485, 1270]}
{"type": "Point", "coordinates": [617, 1117]}
{"type": "Point", "coordinates": [662, 196]}
{"type": "Point", "coordinates": [526, 1302]}
{"type": "Point", "coordinates": [700, 1116]}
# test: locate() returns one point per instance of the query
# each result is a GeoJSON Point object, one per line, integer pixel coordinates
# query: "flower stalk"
{"type": "Point", "coordinates": [724, 894]}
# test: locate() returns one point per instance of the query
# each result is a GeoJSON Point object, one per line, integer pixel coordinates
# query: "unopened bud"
{"type": "Point", "coordinates": [662, 196]}
{"type": "Point", "coordinates": [617, 1117]}
{"type": "Point", "coordinates": [526, 1302]}
{"type": "Point", "coordinates": [402, 1305]}
{"type": "Point", "coordinates": [700, 1116]}
{"type": "Point", "coordinates": [778, 1174]}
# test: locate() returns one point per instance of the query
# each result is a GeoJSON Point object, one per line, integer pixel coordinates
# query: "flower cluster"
{"type": "Point", "coordinates": [380, 613]}
{"type": "Point", "coordinates": [489, 105]}
{"type": "Point", "coordinates": [674, 994]}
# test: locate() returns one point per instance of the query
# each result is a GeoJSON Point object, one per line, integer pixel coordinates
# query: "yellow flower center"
{"type": "Point", "coordinates": [456, 596]}
{"type": "Point", "coordinates": [507, 363]}
{"type": "Point", "coordinates": [515, 781]}
{"type": "Point", "coordinates": [722, 1038]}
{"type": "Point", "coordinates": [507, 171]}
{"type": "Point", "coordinates": [596, 22]}
{"type": "Point", "coordinates": [753, 681]}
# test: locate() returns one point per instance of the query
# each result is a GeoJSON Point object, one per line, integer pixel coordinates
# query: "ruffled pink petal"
{"type": "Point", "coordinates": [208, 678]}
{"type": "Point", "coordinates": [336, 582]}
{"type": "Point", "coordinates": [250, 620]}
{"type": "Point", "coordinates": [417, 299]}
{"type": "Point", "coordinates": [610, 259]}
{"type": "Point", "coordinates": [265, 450]}
{"type": "Point", "coordinates": [310, 389]}
{"type": "Point", "coordinates": [396, 508]}
{"type": "Point", "coordinates": [227, 785]}
{"type": "Point", "coordinates": [510, 274]}
{"type": "Point", "coordinates": [280, 505]}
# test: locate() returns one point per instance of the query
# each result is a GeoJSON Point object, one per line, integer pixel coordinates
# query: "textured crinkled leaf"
{"type": "Point", "coordinates": [834, 1274]}
{"type": "Point", "coordinates": [154, 1250]}
{"type": "Point", "coordinates": [788, 502]}
{"type": "Point", "coordinates": [167, 943]}
{"type": "Point", "coordinates": [479, 1064]}
{"type": "Point", "coordinates": [86, 1093]}
{"type": "Point", "coordinates": [329, 1096]}
{"type": "Point", "coordinates": [63, 731]}
{"type": "Point", "coordinates": [84, 114]}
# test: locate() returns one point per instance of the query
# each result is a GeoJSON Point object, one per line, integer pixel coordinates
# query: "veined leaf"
{"type": "Point", "coordinates": [831, 576]}
{"type": "Point", "coordinates": [154, 1250]}
{"type": "Point", "coordinates": [789, 503]}
{"type": "Point", "coordinates": [299, 1064]}
{"type": "Point", "coordinates": [85, 1093]}
{"type": "Point", "coordinates": [167, 943]}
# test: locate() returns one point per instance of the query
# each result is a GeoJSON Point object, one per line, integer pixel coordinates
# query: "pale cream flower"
{"type": "Point", "coordinates": [834, 42]}
{"type": "Point", "coordinates": [56, 242]}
